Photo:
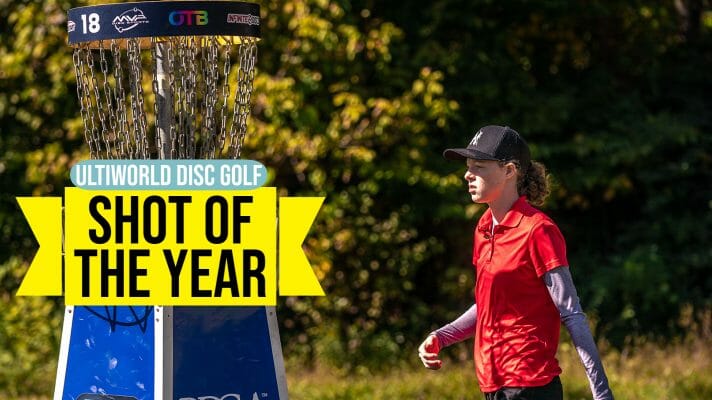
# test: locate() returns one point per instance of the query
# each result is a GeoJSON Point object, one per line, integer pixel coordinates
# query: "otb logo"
{"type": "Point", "coordinates": [188, 17]}
{"type": "Point", "coordinates": [129, 19]}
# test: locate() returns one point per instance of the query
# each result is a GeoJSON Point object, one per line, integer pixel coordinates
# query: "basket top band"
{"type": "Point", "coordinates": [162, 18]}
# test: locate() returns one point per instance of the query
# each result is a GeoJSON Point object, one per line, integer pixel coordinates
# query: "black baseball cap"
{"type": "Point", "coordinates": [494, 142]}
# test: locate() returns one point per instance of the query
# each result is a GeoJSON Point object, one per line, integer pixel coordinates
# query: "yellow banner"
{"type": "Point", "coordinates": [171, 247]}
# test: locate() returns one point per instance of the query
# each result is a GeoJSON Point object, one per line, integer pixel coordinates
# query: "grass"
{"type": "Point", "coordinates": [651, 371]}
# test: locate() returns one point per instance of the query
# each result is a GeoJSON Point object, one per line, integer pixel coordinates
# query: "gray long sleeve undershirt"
{"type": "Point", "coordinates": [563, 292]}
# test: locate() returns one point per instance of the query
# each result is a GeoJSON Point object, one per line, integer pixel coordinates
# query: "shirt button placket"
{"type": "Point", "coordinates": [491, 240]}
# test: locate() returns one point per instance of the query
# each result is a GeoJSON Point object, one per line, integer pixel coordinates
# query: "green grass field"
{"type": "Point", "coordinates": [680, 371]}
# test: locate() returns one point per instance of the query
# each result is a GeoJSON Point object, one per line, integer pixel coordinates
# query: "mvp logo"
{"type": "Point", "coordinates": [128, 20]}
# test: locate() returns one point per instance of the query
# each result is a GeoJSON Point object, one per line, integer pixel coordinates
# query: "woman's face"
{"type": "Point", "coordinates": [485, 180]}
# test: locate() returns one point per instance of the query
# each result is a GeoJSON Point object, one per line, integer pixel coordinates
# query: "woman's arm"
{"type": "Point", "coordinates": [563, 292]}
{"type": "Point", "coordinates": [456, 331]}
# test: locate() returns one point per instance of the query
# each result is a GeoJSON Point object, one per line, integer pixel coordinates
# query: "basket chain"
{"type": "Point", "coordinates": [196, 89]}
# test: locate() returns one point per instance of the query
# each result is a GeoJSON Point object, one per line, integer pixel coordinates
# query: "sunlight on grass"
{"type": "Point", "coordinates": [452, 383]}
{"type": "Point", "coordinates": [677, 371]}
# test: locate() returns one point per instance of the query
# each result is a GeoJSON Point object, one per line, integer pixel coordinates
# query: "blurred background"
{"type": "Point", "coordinates": [355, 101]}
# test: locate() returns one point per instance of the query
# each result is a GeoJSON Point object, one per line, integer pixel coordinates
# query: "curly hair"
{"type": "Point", "coordinates": [534, 183]}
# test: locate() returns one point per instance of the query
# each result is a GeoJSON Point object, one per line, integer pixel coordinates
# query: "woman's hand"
{"type": "Point", "coordinates": [428, 352]}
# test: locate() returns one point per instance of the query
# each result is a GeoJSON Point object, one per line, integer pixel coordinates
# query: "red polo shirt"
{"type": "Point", "coordinates": [517, 331]}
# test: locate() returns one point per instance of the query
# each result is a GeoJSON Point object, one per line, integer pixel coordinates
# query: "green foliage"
{"type": "Point", "coordinates": [39, 138]}
{"type": "Point", "coordinates": [356, 101]}
{"type": "Point", "coordinates": [336, 115]}
{"type": "Point", "coordinates": [29, 333]}
{"type": "Point", "coordinates": [613, 99]}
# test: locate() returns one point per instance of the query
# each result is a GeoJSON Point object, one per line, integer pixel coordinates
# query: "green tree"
{"type": "Point", "coordinates": [39, 139]}
{"type": "Point", "coordinates": [613, 97]}
{"type": "Point", "coordinates": [338, 114]}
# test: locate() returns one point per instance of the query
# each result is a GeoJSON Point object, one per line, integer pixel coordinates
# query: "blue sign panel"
{"type": "Point", "coordinates": [215, 353]}
{"type": "Point", "coordinates": [109, 354]}
{"type": "Point", "coordinates": [224, 353]}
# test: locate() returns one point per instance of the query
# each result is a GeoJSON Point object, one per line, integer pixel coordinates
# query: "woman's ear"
{"type": "Point", "coordinates": [510, 170]}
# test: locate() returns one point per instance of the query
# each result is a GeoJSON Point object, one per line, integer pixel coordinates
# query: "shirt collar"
{"type": "Point", "coordinates": [515, 214]}
{"type": "Point", "coordinates": [511, 219]}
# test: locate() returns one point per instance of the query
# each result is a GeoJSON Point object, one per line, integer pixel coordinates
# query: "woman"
{"type": "Point", "coordinates": [523, 287]}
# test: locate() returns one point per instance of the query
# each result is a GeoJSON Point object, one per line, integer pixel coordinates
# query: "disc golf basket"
{"type": "Point", "coordinates": [167, 80]}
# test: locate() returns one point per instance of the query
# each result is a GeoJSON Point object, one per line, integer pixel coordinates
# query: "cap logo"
{"type": "Point", "coordinates": [473, 142]}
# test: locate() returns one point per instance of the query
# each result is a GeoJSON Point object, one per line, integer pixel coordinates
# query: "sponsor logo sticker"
{"type": "Point", "coordinates": [129, 19]}
{"type": "Point", "coordinates": [245, 19]}
{"type": "Point", "coordinates": [71, 26]}
{"type": "Point", "coordinates": [188, 17]}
